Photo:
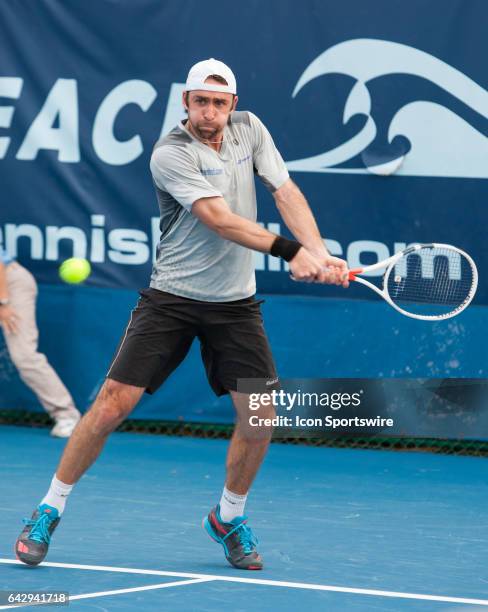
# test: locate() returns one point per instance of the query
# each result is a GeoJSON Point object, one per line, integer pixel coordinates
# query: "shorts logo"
{"type": "Point", "coordinates": [271, 382]}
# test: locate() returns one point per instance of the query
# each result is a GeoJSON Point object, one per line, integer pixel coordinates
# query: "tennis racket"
{"type": "Point", "coordinates": [425, 281]}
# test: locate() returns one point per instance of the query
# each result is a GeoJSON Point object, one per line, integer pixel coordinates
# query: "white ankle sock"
{"type": "Point", "coordinates": [57, 494]}
{"type": "Point", "coordinates": [231, 505]}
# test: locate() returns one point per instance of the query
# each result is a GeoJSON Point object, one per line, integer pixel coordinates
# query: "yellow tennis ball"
{"type": "Point", "coordinates": [74, 270]}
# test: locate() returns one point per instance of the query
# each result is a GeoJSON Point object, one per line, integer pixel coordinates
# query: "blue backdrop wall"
{"type": "Point", "coordinates": [380, 110]}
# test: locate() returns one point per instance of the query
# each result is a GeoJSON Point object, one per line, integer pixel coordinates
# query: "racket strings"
{"type": "Point", "coordinates": [431, 280]}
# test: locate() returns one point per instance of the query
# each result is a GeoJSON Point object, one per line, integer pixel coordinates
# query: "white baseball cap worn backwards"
{"type": "Point", "coordinates": [202, 70]}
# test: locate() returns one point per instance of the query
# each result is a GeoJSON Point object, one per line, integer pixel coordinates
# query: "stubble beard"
{"type": "Point", "coordinates": [207, 134]}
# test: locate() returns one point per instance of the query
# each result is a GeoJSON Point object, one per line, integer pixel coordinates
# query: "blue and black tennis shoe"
{"type": "Point", "coordinates": [32, 544]}
{"type": "Point", "coordinates": [237, 539]}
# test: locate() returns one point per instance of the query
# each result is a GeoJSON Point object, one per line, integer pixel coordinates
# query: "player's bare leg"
{"type": "Point", "coordinates": [226, 524]}
{"type": "Point", "coordinates": [113, 404]}
{"type": "Point", "coordinates": [248, 445]}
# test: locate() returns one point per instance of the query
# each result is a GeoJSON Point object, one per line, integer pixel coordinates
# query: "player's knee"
{"type": "Point", "coordinates": [113, 404]}
{"type": "Point", "coordinates": [105, 418]}
{"type": "Point", "coordinates": [257, 426]}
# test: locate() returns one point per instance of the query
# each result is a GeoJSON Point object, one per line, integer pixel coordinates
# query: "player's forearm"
{"type": "Point", "coordinates": [246, 233]}
{"type": "Point", "coordinates": [298, 217]}
{"type": "Point", "coordinates": [3, 282]}
{"type": "Point", "coordinates": [216, 214]}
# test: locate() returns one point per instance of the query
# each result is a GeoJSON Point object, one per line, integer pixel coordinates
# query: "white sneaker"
{"type": "Point", "coordinates": [64, 426]}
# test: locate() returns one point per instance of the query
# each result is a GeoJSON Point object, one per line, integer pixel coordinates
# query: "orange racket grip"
{"type": "Point", "coordinates": [352, 273]}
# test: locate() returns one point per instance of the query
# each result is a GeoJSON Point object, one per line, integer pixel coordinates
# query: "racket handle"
{"type": "Point", "coordinates": [350, 275]}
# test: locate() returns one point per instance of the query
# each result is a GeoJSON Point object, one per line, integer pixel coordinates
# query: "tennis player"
{"type": "Point", "coordinates": [202, 285]}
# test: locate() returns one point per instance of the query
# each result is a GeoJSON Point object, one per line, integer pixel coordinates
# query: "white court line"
{"type": "Point", "coordinates": [151, 587]}
{"type": "Point", "coordinates": [274, 583]}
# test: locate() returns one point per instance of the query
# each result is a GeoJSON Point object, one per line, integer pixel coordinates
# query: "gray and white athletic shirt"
{"type": "Point", "coordinates": [192, 260]}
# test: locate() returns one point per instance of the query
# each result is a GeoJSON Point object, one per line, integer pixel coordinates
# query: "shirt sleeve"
{"type": "Point", "coordinates": [174, 170]}
{"type": "Point", "coordinates": [268, 163]}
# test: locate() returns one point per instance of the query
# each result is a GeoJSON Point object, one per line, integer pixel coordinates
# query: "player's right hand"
{"type": "Point", "coordinates": [9, 320]}
{"type": "Point", "coordinates": [307, 268]}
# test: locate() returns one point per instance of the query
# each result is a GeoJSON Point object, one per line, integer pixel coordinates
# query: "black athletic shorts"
{"type": "Point", "coordinates": [163, 326]}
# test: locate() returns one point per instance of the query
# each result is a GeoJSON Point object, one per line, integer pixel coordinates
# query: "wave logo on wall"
{"type": "Point", "coordinates": [441, 143]}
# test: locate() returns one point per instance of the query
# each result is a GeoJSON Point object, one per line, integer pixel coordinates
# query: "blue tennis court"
{"type": "Point", "coordinates": [338, 529]}
{"type": "Point", "coordinates": [167, 172]}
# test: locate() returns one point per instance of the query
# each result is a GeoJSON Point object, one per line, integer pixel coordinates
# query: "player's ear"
{"type": "Point", "coordinates": [234, 104]}
{"type": "Point", "coordinates": [184, 99]}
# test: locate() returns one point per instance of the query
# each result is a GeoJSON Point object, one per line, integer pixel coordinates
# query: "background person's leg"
{"type": "Point", "coordinates": [33, 367]}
